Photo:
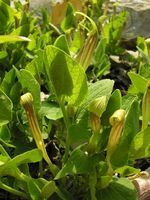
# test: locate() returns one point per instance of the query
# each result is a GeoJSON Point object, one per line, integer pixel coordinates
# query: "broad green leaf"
{"type": "Point", "coordinates": [48, 190]}
{"type": "Point", "coordinates": [61, 42]}
{"type": "Point", "coordinates": [3, 159]}
{"type": "Point", "coordinates": [7, 17]}
{"type": "Point", "coordinates": [79, 162]}
{"type": "Point", "coordinates": [31, 156]}
{"type": "Point", "coordinates": [114, 104]}
{"type": "Point", "coordinates": [79, 131]}
{"type": "Point", "coordinates": [51, 111]}
{"type": "Point", "coordinates": [138, 82]}
{"type": "Point", "coordinates": [127, 101]}
{"type": "Point", "coordinates": [66, 75]}
{"type": "Point", "coordinates": [69, 20]}
{"type": "Point", "coordinates": [36, 66]}
{"type": "Point", "coordinates": [141, 44]}
{"type": "Point", "coordinates": [121, 154]}
{"type": "Point", "coordinates": [5, 133]}
{"type": "Point", "coordinates": [95, 90]}
{"type": "Point", "coordinates": [34, 190]}
{"type": "Point", "coordinates": [119, 189]}
{"type": "Point", "coordinates": [3, 54]}
{"type": "Point", "coordinates": [5, 108]}
{"type": "Point", "coordinates": [13, 38]}
{"type": "Point", "coordinates": [77, 42]}
{"type": "Point", "coordinates": [140, 147]}
{"type": "Point", "coordinates": [30, 84]}
{"type": "Point", "coordinates": [15, 93]}
{"type": "Point", "coordinates": [8, 81]}
{"type": "Point", "coordinates": [100, 50]}
{"type": "Point", "coordinates": [102, 62]}
{"type": "Point", "coordinates": [22, 31]}
{"type": "Point", "coordinates": [127, 171]}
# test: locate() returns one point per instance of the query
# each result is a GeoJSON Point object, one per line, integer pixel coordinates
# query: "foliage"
{"type": "Point", "coordinates": [70, 115]}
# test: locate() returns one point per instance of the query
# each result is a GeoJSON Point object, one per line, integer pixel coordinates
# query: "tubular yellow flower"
{"type": "Point", "coordinates": [117, 122]}
{"type": "Point", "coordinates": [98, 106]}
{"type": "Point", "coordinates": [26, 101]}
{"type": "Point", "coordinates": [84, 56]}
{"type": "Point", "coordinates": [146, 107]}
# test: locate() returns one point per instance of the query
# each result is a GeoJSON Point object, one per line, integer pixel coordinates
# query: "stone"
{"type": "Point", "coordinates": [138, 22]}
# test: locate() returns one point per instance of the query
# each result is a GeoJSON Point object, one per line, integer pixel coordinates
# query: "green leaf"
{"type": "Point", "coordinates": [36, 66]}
{"type": "Point", "coordinates": [31, 156]}
{"type": "Point", "coordinates": [22, 31]}
{"type": "Point", "coordinates": [79, 131]}
{"type": "Point", "coordinates": [66, 75]}
{"type": "Point", "coordinates": [127, 101]}
{"type": "Point", "coordinates": [98, 89]}
{"type": "Point", "coordinates": [8, 81]}
{"type": "Point", "coordinates": [112, 31]}
{"type": "Point", "coordinates": [127, 171]}
{"type": "Point", "coordinates": [3, 54]}
{"type": "Point", "coordinates": [114, 104]}
{"type": "Point", "coordinates": [69, 20]}
{"type": "Point", "coordinates": [61, 42]}
{"type": "Point", "coordinates": [5, 133]}
{"type": "Point", "coordinates": [7, 14]}
{"type": "Point", "coordinates": [138, 82]}
{"type": "Point", "coordinates": [13, 38]}
{"type": "Point", "coordinates": [119, 189]}
{"type": "Point", "coordinates": [5, 108]}
{"type": "Point", "coordinates": [140, 147]}
{"type": "Point", "coordinates": [121, 154]}
{"type": "Point", "coordinates": [48, 190]}
{"type": "Point", "coordinates": [51, 111]}
{"type": "Point", "coordinates": [79, 162]}
{"type": "Point", "coordinates": [30, 84]}
{"type": "Point", "coordinates": [34, 190]}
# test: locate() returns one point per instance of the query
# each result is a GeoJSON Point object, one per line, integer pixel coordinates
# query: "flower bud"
{"type": "Point", "coordinates": [98, 106]}
{"type": "Point", "coordinates": [95, 123]}
{"type": "Point", "coordinates": [117, 122]}
{"type": "Point", "coordinates": [26, 101]}
{"type": "Point", "coordinates": [117, 117]}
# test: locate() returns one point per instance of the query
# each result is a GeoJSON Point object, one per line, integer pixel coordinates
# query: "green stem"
{"type": "Point", "coordinates": [93, 142]}
{"type": "Point", "coordinates": [3, 152]}
{"type": "Point", "coordinates": [67, 123]}
{"type": "Point", "coordinates": [106, 7]}
{"type": "Point", "coordinates": [12, 190]}
{"type": "Point", "coordinates": [92, 184]}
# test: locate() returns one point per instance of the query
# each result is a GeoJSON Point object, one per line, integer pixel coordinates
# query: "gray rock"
{"type": "Point", "coordinates": [138, 22]}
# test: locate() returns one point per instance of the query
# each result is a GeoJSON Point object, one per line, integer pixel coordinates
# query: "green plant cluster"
{"type": "Point", "coordinates": [64, 131]}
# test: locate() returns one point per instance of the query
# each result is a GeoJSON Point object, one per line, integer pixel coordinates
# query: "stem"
{"type": "Point", "coordinates": [106, 7]}
{"type": "Point", "coordinates": [12, 190]}
{"type": "Point", "coordinates": [92, 183]}
{"type": "Point", "coordinates": [2, 150]}
{"type": "Point", "coordinates": [67, 123]}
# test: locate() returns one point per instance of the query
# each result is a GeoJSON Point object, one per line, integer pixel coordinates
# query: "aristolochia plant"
{"type": "Point", "coordinates": [27, 103]}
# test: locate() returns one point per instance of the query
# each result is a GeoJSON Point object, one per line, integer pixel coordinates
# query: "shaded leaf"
{"type": "Point", "coordinates": [119, 189]}
{"type": "Point", "coordinates": [140, 147]}
{"type": "Point", "coordinates": [66, 75]}
{"type": "Point", "coordinates": [13, 38]}
{"type": "Point", "coordinates": [30, 84]}
{"type": "Point", "coordinates": [5, 108]}
{"type": "Point", "coordinates": [78, 163]}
